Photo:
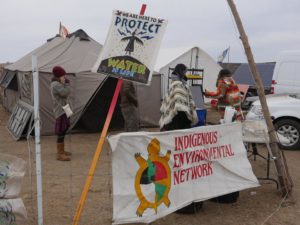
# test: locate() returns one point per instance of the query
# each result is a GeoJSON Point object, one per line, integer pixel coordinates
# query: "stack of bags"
{"type": "Point", "coordinates": [12, 209]}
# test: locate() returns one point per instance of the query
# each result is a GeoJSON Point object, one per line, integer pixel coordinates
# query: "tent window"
{"type": "Point", "coordinates": [10, 81]}
{"type": "Point", "coordinates": [26, 82]}
{"type": "Point", "coordinates": [20, 119]}
{"type": "Point", "coordinates": [2, 73]}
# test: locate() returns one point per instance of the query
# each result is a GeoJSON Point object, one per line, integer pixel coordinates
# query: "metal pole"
{"type": "Point", "coordinates": [282, 176]}
{"type": "Point", "coordinates": [35, 75]}
{"type": "Point", "coordinates": [228, 54]}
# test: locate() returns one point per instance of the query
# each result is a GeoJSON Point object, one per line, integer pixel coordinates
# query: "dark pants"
{"type": "Point", "coordinates": [131, 118]}
{"type": "Point", "coordinates": [62, 124]}
{"type": "Point", "coordinates": [61, 137]}
{"type": "Point", "coordinates": [180, 121]}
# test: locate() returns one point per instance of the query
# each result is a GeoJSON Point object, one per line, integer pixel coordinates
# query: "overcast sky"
{"type": "Point", "coordinates": [271, 25]}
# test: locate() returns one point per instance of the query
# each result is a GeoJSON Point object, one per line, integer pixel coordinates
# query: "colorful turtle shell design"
{"type": "Point", "coordinates": [154, 170]}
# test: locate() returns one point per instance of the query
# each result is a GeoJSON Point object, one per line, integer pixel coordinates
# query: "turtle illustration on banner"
{"type": "Point", "coordinates": [154, 170]}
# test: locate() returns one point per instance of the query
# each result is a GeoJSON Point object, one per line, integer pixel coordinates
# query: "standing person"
{"type": "Point", "coordinates": [227, 93]}
{"type": "Point", "coordinates": [178, 111]}
{"type": "Point", "coordinates": [60, 91]}
{"type": "Point", "coordinates": [129, 106]}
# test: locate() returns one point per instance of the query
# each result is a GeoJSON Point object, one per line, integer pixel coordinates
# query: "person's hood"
{"type": "Point", "coordinates": [175, 77]}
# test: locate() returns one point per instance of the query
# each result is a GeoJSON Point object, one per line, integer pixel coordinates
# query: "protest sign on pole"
{"type": "Point", "coordinates": [133, 68]}
{"type": "Point", "coordinates": [157, 173]}
{"type": "Point", "coordinates": [131, 46]}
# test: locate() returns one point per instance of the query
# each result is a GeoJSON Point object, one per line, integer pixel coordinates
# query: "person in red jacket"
{"type": "Point", "coordinates": [227, 93]}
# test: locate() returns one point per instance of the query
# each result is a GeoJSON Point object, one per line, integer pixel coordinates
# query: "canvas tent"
{"type": "Point", "coordinates": [193, 58]}
{"type": "Point", "coordinates": [90, 92]}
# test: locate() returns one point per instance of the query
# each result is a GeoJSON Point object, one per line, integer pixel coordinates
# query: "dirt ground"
{"type": "Point", "coordinates": [63, 183]}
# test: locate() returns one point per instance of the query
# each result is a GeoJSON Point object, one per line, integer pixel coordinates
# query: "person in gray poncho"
{"type": "Point", "coordinates": [178, 111]}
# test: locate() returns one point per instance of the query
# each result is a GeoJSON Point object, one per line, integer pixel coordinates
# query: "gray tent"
{"type": "Point", "coordinates": [91, 93]}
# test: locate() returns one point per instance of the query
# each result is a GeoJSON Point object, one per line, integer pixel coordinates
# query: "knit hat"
{"type": "Point", "coordinates": [58, 71]}
{"type": "Point", "coordinates": [180, 68]}
{"type": "Point", "coordinates": [225, 73]}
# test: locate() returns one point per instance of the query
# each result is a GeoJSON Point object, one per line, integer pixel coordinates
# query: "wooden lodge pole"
{"type": "Point", "coordinates": [282, 171]}
{"type": "Point", "coordinates": [97, 154]}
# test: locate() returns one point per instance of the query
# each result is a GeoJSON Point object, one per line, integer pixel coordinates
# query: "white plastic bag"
{"type": "Point", "coordinates": [68, 110]}
{"type": "Point", "coordinates": [229, 114]}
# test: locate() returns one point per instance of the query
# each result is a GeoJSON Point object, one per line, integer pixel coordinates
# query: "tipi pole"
{"type": "Point", "coordinates": [100, 145]}
{"type": "Point", "coordinates": [35, 75]}
{"type": "Point", "coordinates": [286, 187]}
{"type": "Point", "coordinates": [97, 153]}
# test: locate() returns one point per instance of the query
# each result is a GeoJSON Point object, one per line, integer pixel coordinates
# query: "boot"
{"type": "Point", "coordinates": [66, 152]}
{"type": "Point", "coordinates": [60, 153]}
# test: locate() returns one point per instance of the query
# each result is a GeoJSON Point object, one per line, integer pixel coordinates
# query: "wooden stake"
{"type": "Point", "coordinates": [97, 154]}
{"type": "Point", "coordinates": [284, 183]}
{"type": "Point", "coordinates": [143, 9]}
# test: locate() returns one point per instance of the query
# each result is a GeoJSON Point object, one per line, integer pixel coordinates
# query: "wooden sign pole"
{"type": "Point", "coordinates": [97, 153]}
{"type": "Point", "coordinates": [283, 177]}
{"type": "Point", "coordinates": [99, 146]}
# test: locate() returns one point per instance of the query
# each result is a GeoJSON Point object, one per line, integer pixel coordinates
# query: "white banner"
{"type": "Point", "coordinates": [131, 46]}
{"type": "Point", "coordinates": [156, 173]}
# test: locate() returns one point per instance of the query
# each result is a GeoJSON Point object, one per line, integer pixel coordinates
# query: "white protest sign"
{"type": "Point", "coordinates": [157, 173]}
{"type": "Point", "coordinates": [131, 46]}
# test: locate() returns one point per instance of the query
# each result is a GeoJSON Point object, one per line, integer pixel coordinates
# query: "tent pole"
{"type": "Point", "coordinates": [37, 135]}
{"type": "Point", "coordinates": [100, 145]}
{"type": "Point", "coordinates": [228, 54]}
{"type": "Point", "coordinates": [283, 176]}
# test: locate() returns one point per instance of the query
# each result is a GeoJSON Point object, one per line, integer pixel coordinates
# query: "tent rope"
{"type": "Point", "coordinates": [277, 209]}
